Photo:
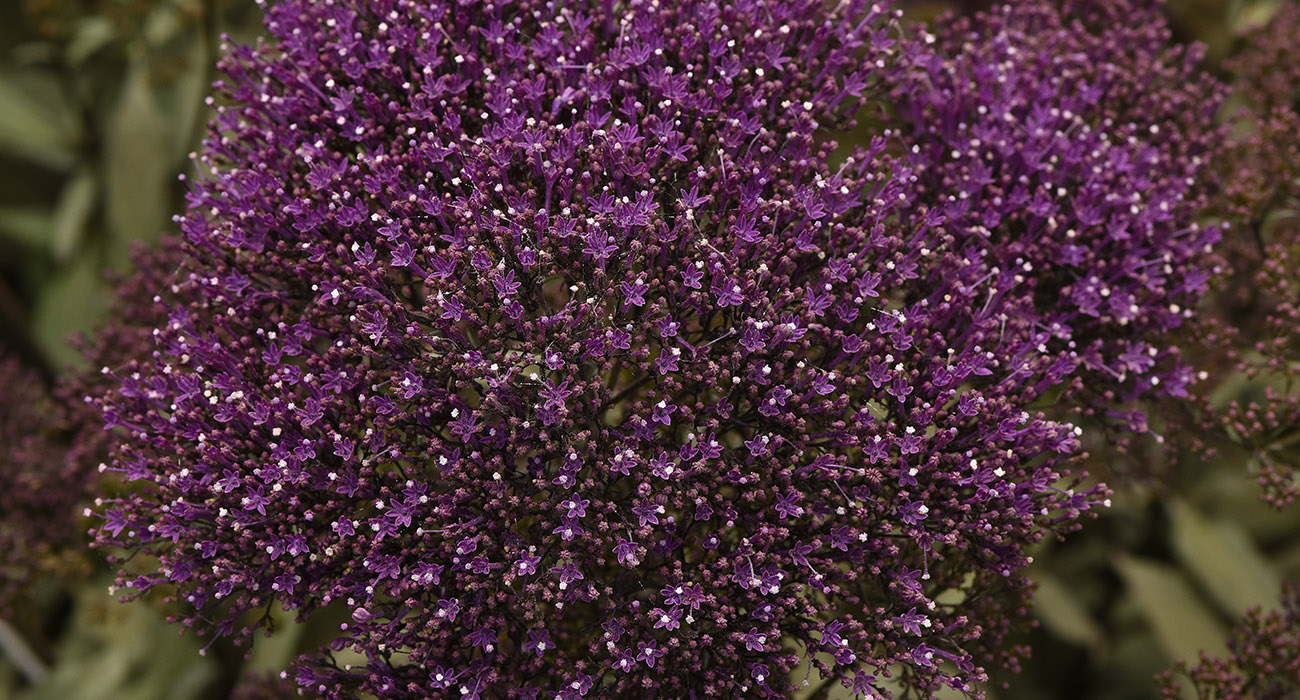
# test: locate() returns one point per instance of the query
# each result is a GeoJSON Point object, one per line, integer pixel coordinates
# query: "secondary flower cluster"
{"type": "Point", "coordinates": [1251, 323]}
{"type": "Point", "coordinates": [38, 517]}
{"type": "Point", "coordinates": [1263, 661]}
{"type": "Point", "coordinates": [53, 440]}
{"type": "Point", "coordinates": [547, 341]}
{"type": "Point", "coordinates": [1250, 326]}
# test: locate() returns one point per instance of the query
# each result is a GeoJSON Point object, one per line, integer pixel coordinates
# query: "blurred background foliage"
{"type": "Point", "coordinates": [101, 101]}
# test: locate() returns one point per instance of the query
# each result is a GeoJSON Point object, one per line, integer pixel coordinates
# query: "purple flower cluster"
{"type": "Point", "coordinates": [39, 525]}
{"type": "Point", "coordinates": [1071, 144]}
{"type": "Point", "coordinates": [546, 341]}
{"type": "Point", "coordinates": [1263, 661]}
{"type": "Point", "coordinates": [1250, 324]}
{"type": "Point", "coordinates": [52, 442]}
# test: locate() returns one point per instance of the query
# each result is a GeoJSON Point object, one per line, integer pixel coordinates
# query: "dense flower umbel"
{"type": "Point", "coordinates": [1263, 661]}
{"type": "Point", "coordinates": [1070, 142]}
{"type": "Point", "coordinates": [545, 340]}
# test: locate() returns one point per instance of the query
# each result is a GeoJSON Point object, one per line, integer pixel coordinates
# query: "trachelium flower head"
{"type": "Point", "coordinates": [547, 342]}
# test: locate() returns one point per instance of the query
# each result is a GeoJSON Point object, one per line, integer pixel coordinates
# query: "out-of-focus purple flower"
{"type": "Point", "coordinates": [39, 518]}
{"type": "Point", "coordinates": [1250, 324]}
{"type": "Point", "coordinates": [1263, 660]}
{"type": "Point", "coordinates": [52, 446]}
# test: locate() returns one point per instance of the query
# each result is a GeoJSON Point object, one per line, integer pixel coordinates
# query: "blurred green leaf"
{"type": "Point", "coordinates": [1063, 614]}
{"type": "Point", "coordinates": [135, 165]}
{"type": "Point", "coordinates": [36, 121]}
{"type": "Point", "coordinates": [187, 94]}
{"type": "Point", "coordinates": [1223, 560]}
{"type": "Point", "coordinates": [70, 303]}
{"type": "Point", "coordinates": [28, 226]}
{"type": "Point", "coordinates": [119, 652]}
{"type": "Point", "coordinates": [72, 214]}
{"type": "Point", "coordinates": [1288, 561]}
{"type": "Point", "coordinates": [274, 653]}
{"type": "Point", "coordinates": [1223, 494]}
{"type": "Point", "coordinates": [1205, 21]}
{"type": "Point", "coordinates": [1125, 674]}
{"type": "Point", "coordinates": [161, 25]}
{"type": "Point", "coordinates": [1182, 623]}
{"type": "Point", "coordinates": [8, 680]}
{"type": "Point", "coordinates": [1249, 15]}
{"type": "Point", "coordinates": [174, 670]}
{"type": "Point", "coordinates": [15, 649]}
{"type": "Point", "coordinates": [90, 35]}
{"type": "Point", "coordinates": [33, 52]}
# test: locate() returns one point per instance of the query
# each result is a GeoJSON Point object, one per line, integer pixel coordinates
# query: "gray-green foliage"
{"type": "Point", "coordinates": [96, 120]}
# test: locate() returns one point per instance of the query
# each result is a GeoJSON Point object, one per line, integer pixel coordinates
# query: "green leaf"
{"type": "Point", "coordinates": [135, 165]}
{"type": "Point", "coordinates": [116, 651]}
{"type": "Point", "coordinates": [1182, 623]}
{"type": "Point", "coordinates": [1288, 561]}
{"type": "Point", "coordinates": [70, 303]}
{"type": "Point", "coordinates": [36, 121]}
{"type": "Point", "coordinates": [90, 35]}
{"type": "Point", "coordinates": [87, 666]}
{"type": "Point", "coordinates": [1205, 20]}
{"type": "Point", "coordinates": [1223, 494]}
{"type": "Point", "coordinates": [27, 226]}
{"type": "Point", "coordinates": [1249, 15]}
{"type": "Point", "coordinates": [161, 25]}
{"type": "Point", "coordinates": [9, 681]}
{"type": "Point", "coordinates": [1123, 674]}
{"type": "Point", "coordinates": [1223, 560]}
{"type": "Point", "coordinates": [274, 653]}
{"type": "Point", "coordinates": [72, 214]}
{"type": "Point", "coordinates": [1063, 614]}
{"type": "Point", "coordinates": [190, 89]}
